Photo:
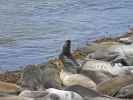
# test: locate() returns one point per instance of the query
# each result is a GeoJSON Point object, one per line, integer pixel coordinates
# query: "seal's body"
{"type": "Point", "coordinates": [66, 51]}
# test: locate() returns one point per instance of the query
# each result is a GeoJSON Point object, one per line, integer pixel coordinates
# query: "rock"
{"type": "Point", "coordinates": [69, 79]}
{"type": "Point", "coordinates": [103, 54]}
{"type": "Point", "coordinates": [10, 77]}
{"type": "Point", "coordinates": [98, 65]}
{"type": "Point", "coordinates": [33, 94]}
{"type": "Point", "coordinates": [96, 76]}
{"type": "Point", "coordinates": [112, 86]}
{"type": "Point", "coordinates": [15, 98]}
{"type": "Point", "coordinates": [126, 92]}
{"type": "Point", "coordinates": [39, 77]}
{"type": "Point", "coordinates": [82, 91]}
{"type": "Point", "coordinates": [9, 88]}
{"type": "Point", "coordinates": [62, 95]}
{"type": "Point", "coordinates": [125, 54]}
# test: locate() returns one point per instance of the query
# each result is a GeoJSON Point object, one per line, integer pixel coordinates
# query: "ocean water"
{"type": "Point", "coordinates": [33, 31]}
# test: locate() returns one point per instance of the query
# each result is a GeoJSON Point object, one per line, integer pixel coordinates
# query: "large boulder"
{"type": "Point", "coordinates": [62, 95]}
{"type": "Point", "coordinates": [98, 65]}
{"type": "Point", "coordinates": [39, 77]}
{"type": "Point", "coordinates": [9, 88]}
{"type": "Point", "coordinates": [112, 86]}
{"type": "Point", "coordinates": [69, 79]}
{"type": "Point", "coordinates": [96, 76]}
{"type": "Point", "coordinates": [126, 92]}
{"type": "Point", "coordinates": [83, 91]}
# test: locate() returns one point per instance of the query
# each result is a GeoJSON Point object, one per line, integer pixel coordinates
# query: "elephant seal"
{"type": "Point", "coordinates": [62, 95]}
{"type": "Point", "coordinates": [83, 91]}
{"type": "Point", "coordinates": [112, 86]}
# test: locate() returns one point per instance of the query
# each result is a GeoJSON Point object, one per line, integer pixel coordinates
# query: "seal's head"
{"type": "Point", "coordinates": [68, 42]}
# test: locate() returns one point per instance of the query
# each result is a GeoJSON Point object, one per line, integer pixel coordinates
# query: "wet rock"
{"type": "Point", "coordinates": [39, 77]}
{"type": "Point", "coordinates": [33, 94]}
{"type": "Point", "coordinates": [126, 92]}
{"type": "Point", "coordinates": [62, 95]}
{"type": "Point", "coordinates": [83, 91]}
{"type": "Point", "coordinates": [15, 98]}
{"type": "Point", "coordinates": [9, 88]}
{"type": "Point", "coordinates": [69, 79]}
{"type": "Point", "coordinates": [112, 86]}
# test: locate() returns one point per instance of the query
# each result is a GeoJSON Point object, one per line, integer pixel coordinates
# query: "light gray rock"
{"type": "Point", "coordinates": [62, 95]}
{"type": "Point", "coordinates": [69, 79]}
{"type": "Point", "coordinates": [33, 94]}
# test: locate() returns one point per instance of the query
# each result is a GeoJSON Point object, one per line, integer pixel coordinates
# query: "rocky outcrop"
{"type": "Point", "coordinates": [112, 86]}
{"type": "Point", "coordinates": [39, 77]}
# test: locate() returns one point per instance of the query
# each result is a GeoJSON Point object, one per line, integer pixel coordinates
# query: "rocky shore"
{"type": "Point", "coordinates": [105, 73]}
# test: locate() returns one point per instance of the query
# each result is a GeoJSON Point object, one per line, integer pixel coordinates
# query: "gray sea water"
{"type": "Point", "coordinates": [33, 31]}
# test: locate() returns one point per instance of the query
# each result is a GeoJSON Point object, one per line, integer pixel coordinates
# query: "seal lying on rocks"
{"type": "Point", "coordinates": [126, 92]}
{"type": "Point", "coordinates": [62, 95]}
{"type": "Point", "coordinates": [83, 91]}
{"type": "Point", "coordinates": [112, 86]}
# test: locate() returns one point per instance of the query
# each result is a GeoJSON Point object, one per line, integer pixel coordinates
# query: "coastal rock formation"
{"type": "Point", "coordinates": [83, 91]}
{"type": "Point", "coordinates": [96, 76]}
{"type": "Point", "coordinates": [126, 92]}
{"type": "Point", "coordinates": [98, 65]}
{"type": "Point", "coordinates": [9, 88]}
{"type": "Point", "coordinates": [112, 86]}
{"type": "Point", "coordinates": [62, 95]}
{"type": "Point", "coordinates": [69, 79]}
{"type": "Point", "coordinates": [39, 77]}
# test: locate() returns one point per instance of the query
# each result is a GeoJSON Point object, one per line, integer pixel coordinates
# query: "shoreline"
{"type": "Point", "coordinates": [80, 53]}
